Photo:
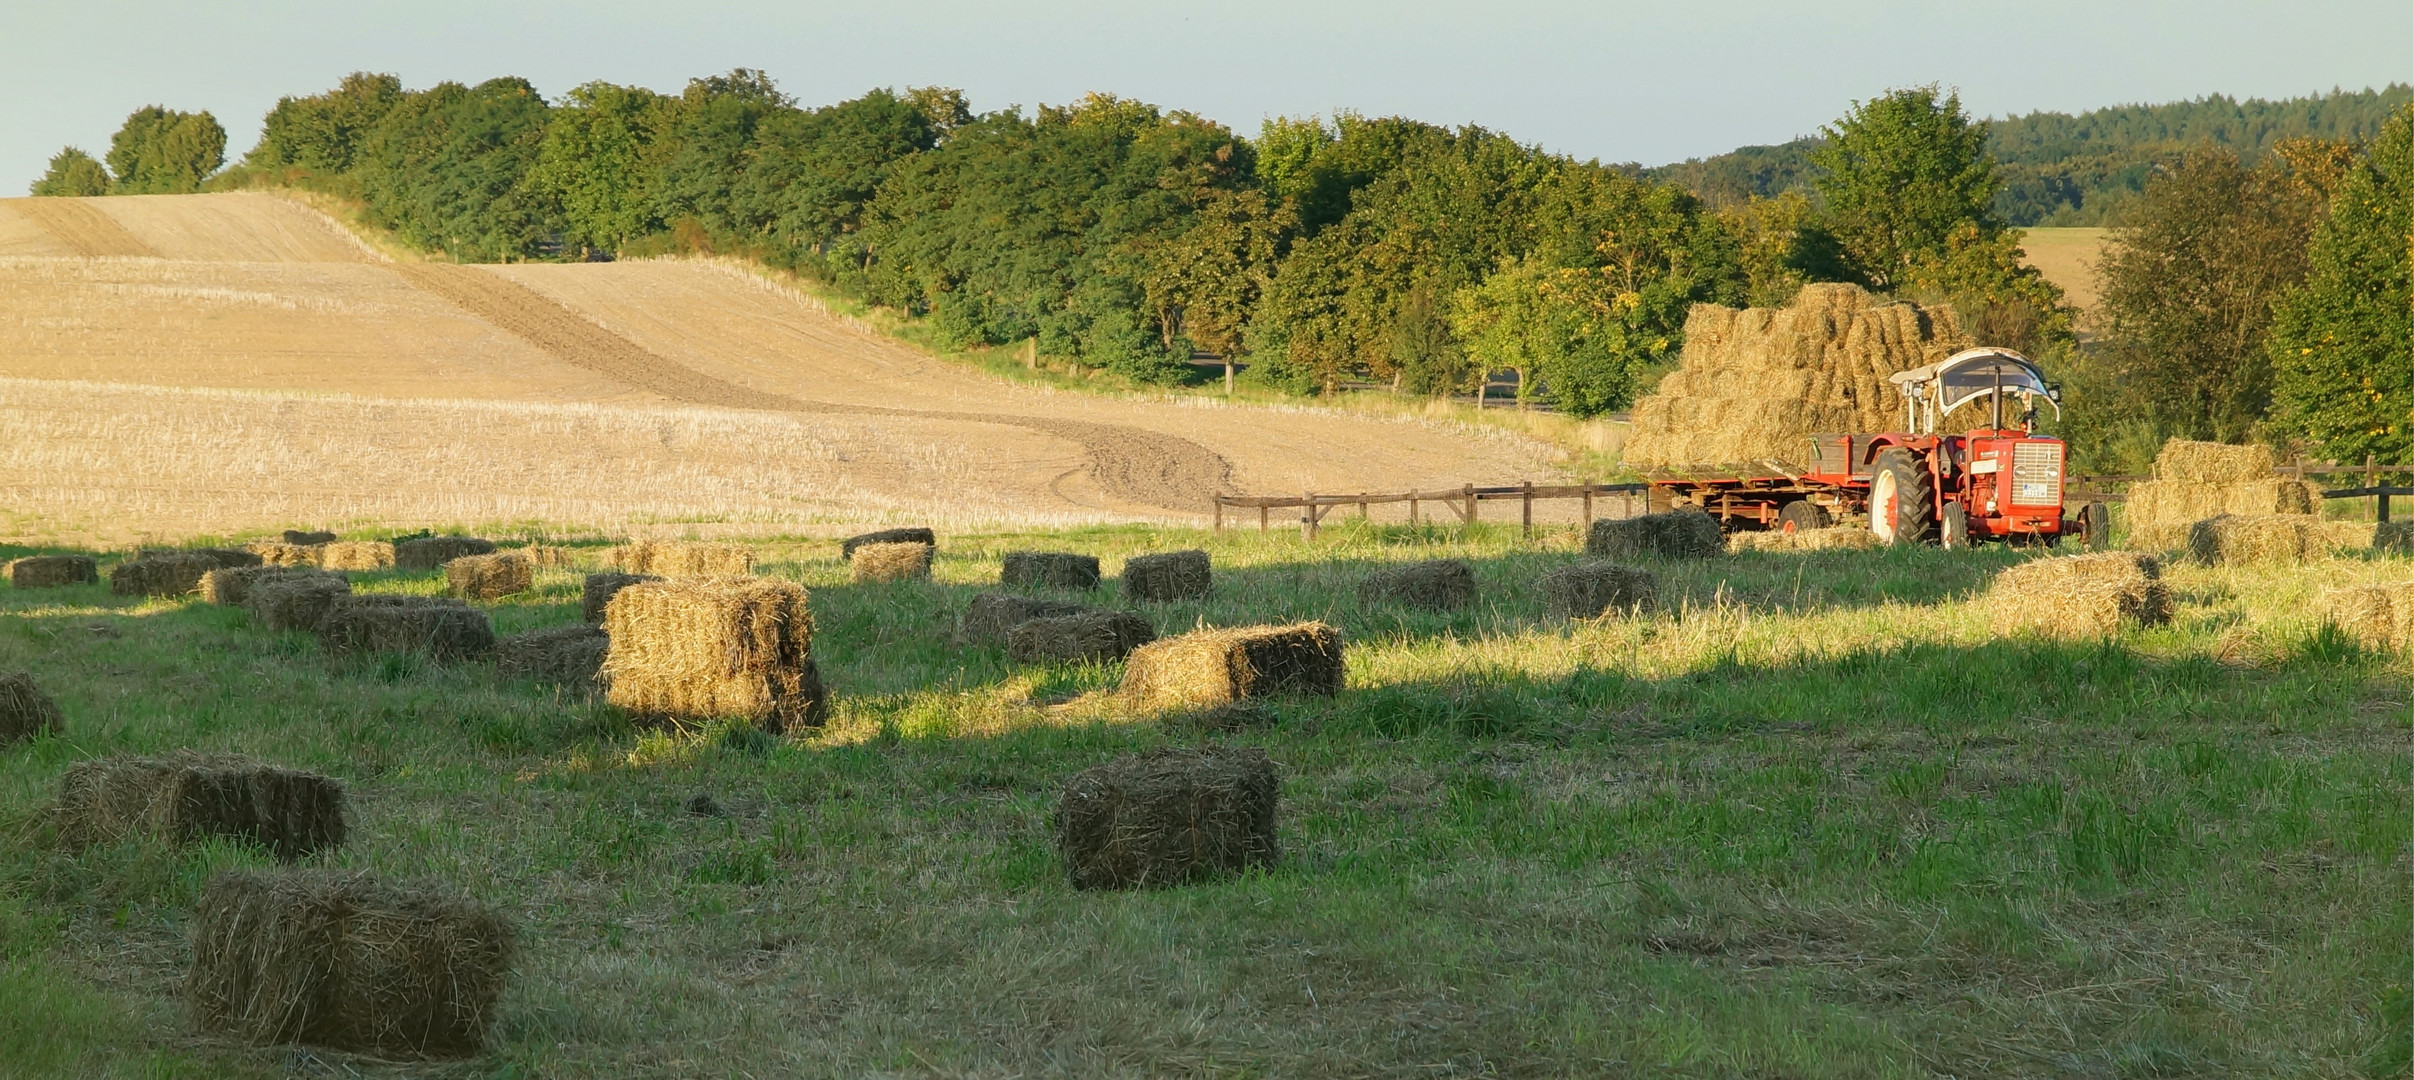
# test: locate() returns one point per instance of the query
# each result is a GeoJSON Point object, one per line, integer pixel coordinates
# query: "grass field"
{"type": "Point", "coordinates": [1814, 818]}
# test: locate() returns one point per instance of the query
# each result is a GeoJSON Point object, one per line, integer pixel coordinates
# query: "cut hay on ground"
{"type": "Point", "coordinates": [1089, 636]}
{"type": "Point", "coordinates": [1678, 534]}
{"type": "Point", "coordinates": [357, 555]}
{"type": "Point", "coordinates": [1436, 585]}
{"type": "Point", "coordinates": [1167, 817]}
{"type": "Point", "coordinates": [847, 547]}
{"type": "Point", "coordinates": [434, 627]}
{"type": "Point", "coordinates": [272, 553]}
{"type": "Point", "coordinates": [683, 559]}
{"type": "Point", "coordinates": [432, 552]}
{"type": "Point", "coordinates": [877, 563]}
{"type": "Point", "coordinates": [25, 711]}
{"type": "Point", "coordinates": [339, 959]}
{"type": "Point", "coordinates": [298, 538]}
{"type": "Point", "coordinates": [2381, 616]}
{"type": "Point", "coordinates": [1756, 384]}
{"type": "Point", "coordinates": [489, 577]}
{"type": "Point", "coordinates": [729, 648]}
{"type": "Point", "coordinates": [160, 575]}
{"type": "Point", "coordinates": [233, 587]}
{"type": "Point", "coordinates": [2081, 595]}
{"type": "Point", "coordinates": [1048, 570]}
{"type": "Point", "coordinates": [569, 656]}
{"type": "Point", "coordinates": [2247, 539]}
{"type": "Point", "coordinates": [1207, 668]}
{"type": "Point", "coordinates": [1589, 590]}
{"type": "Point", "coordinates": [991, 615]}
{"type": "Point", "coordinates": [293, 601]}
{"type": "Point", "coordinates": [599, 590]}
{"type": "Point", "coordinates": [1836, 538]}
{"type": "Point", "coordinates": [1171, 575]}
{"type": "Point", "coordinates": [53, 571]}
{"type": "Point", "coordinates": [186, 797]}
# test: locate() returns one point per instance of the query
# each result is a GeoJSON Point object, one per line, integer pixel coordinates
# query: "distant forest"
{"type": "Point", "coordinates": [2064, 170]}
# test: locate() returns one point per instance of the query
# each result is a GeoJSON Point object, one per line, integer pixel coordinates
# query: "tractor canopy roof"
{"type": "Point", "coordinates": [1974, 373]}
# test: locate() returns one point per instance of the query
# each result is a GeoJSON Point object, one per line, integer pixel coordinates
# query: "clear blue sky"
{"type": "Point", "coordinates": [1648, 82]}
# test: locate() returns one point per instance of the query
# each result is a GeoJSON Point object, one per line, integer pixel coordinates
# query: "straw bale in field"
{"type": "Point", "coordinates": [1206, 668]}
{"type": "Point", "coordinates": [2082, 595]}
{"type": "Point", "coordinates": [1168, 817]}
{"type": "Point", "coordinates": [160, 575]}
{"type": "Point", "coordinates": [233, 587]}
{"type": "Point", "coordinates": [52, 571]}
{"type": "Point", "coordinates": [847, 547]}
{"type": "Point", "coordinates": [599, 590]}
{"type": "Point", "coordinates": [1833, 538]}
{"type": "Point", "coordinates": [991, 615]}
{"type": "Point", "coordinates": [2379, 615]}
{"type": "Point", "coordinates": [2212, 462]}
{"type": "Point", "coordinates": [25, 711]}
{"type": "Point", "coordinates": [438, 628]}
{"type": "Point", "coordinates": [544, 556]}
{"type": "Point", "coordinates": [901, 561]}
{"type": "Point", "coordinates": [1755, 384]}
{"type": "Point", "coordinates": [1048, 570]}
{"type": "Point", "coordinates": [1591, 589]}
{"type": "Point", "coordinates": [1678, 534]}
{"type": "Point", "coordinates": [1435, 585]}
{"type": "Point", "coordinates": [357, 555]}
{"type": "Point", "coordinates": [2273, 538]}
{"type": "Point", "coordinates": [273, 553]}
{"type": "Point", "coordinates": [186, 797]}
{"type": "Point", "coordinates": [1170, 575]}
{"type": "Point", "coordinates": [571, 656]}
{"type": "Point", "coordinates": [738, 648]}
{"type": "Point", "coordinates": [299, 538]}
{"type": "Point", "coordinates": [2393, 537]}
{"type": "Point", "coordinates": [294, 601]}
{"type": "Point", "coordinates": [1092, 635]}
{"type": "Point", "coordinates": [683, 559]}
{"type": "Point", "coordinates": [489, 577]}
{"type": "Point", "coordinates": [432, 552]}
{"type": "Point", "coordinates": [341, 959]}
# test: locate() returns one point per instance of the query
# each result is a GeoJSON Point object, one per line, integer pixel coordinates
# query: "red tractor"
{"type": "Point", "coordinates": [1918, 485]}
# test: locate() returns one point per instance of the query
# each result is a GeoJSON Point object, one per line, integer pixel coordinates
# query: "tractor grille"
{"type": "Point", "coordinates": [2037, 474]}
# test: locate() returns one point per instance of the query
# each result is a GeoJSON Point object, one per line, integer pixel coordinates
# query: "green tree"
{"type": "Point", "coordinates": [1899, 176]}
{"type": "Point", "coordinates": [593, 163]}
{"type": "Point", "coordinates": [74, 173]}
{"type": "Point", "coordinates": [445, 169]}
{"type": "Point", "coordinates": [323, 132]}
{"type": "Point", "coordinates": [2342, 341]}
{"type": "Point", "coordinates": [162, 152]}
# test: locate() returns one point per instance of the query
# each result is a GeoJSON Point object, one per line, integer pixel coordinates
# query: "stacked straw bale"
{"type": "Point", "coordinates": [1590, 589]}
{"type": "Point", "coordinates": [294, 601]}
{"type": "Point", "coordinates": [160, 575]}
{"type": "Point", "coordinates": [570, 656]}
{"type": "Point", "coordinates": [1048, 570]}
{"type": "Point", "coordinates": [847, 547]}
{"type": "Point", "coordinates": [1834, 538]}
{"type": "Point", "coordinates": [52, 571]}
{"type": "Point", "coordinates": [1171, 575]}
{"type": "Point", "coordinates": [2273, 538]}
{"type": "Point", "coordinates": [2197, 481]}
{"type": "Point", "coordinates": [1168, 817]}
{"type": "Point", "coordinates": [1207, 668]}
{"type": "Point", "coordinates": [432, 552]}
{"type": "Point", "coordinates": [599, 590]}
{"type": "Point", "coordinates": [300, 538]}
{"type": "Point", "coordinates": [545, 556]}
{"type": "Point", "coordinates": [683, 559]}
{"type": "Point", "coordinates": [1678, 534]}
{"type": "Point", "coordinates": [736, 648]}
{"type": "Point", "coordinates": [489, 577]}
{"type": "Point", "coordinates": [1435, 585]}
{"type": "Point", "coordinates": [187, 797]}
{"type": "Point", "coordinates": [1754, 385]}
{"type": "Point", "coordinates": [992, 615]}
{"type": "Point", "coordinates": [25, 711]}
{"type": "Point", "coordinates": [896, 561]}
{"type": "Point", "coordinates": [340, 959]}
{"type": "Point", "coordinates": [1093, 635]}
{"type": "Point", "coordinates": [357, 555]}
{"type": "Point", "coordinates": [2380, 615]}
{"type": "Point", "coordinates": [434, 627]}
{"type": "Point", "coordinates": [2081, 595]}
{"type": "Point", "coordinates": [233, 587]}
{"type": "Point", "coordinates": [273, 553]}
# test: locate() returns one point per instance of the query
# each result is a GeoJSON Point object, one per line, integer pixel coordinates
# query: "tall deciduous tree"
{"type": "Point", "coordinates": [593, 163]}
{"type": "Point", "coordinates": [1899, 176]}
{"type": "Point", "coordinates": [2342, 342]}
{"type": "Point", "coordinates": [73, 172]}
{"type": "Point", "coordinates": [162, 152]}
{"type": "Point", "coordinates": [323, 132]}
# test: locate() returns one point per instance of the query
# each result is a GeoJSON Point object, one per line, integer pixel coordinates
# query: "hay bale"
{"type": "Point", "coordinates": [2380, 615]}
{"type": "Point", "coordinates": [683, 559]}
{"type": "Point", "coordinates": [570, 656]}
{"type": "Point", "coordinates": [1093, 635]}
{"type": "Point", "coordinates": [300, 538]}
{"type": "Point", "coordinates": [1170, 575]}
{"type": "Point", "coordinates": [489, 577]}
{"type": "Point", "coordinates": [432, 552]}
{"type": "Point", "coordinates": [599, 591]}
{"type": "Point", "coordinates": [1588, 590]}
{"type": "Point", "coordinates": [160, 575]}
{"type": "Point", "coordinates": [1048, 570]}
{"type": "Point", "coordinates": [545, 556]}
{"type": "Point", "coordinates": [2212, 462]}
{"type": "Point", "coordinates": [2081, 595]}
{"type": "Point", "coordinates": [876, 563]}
{"type": "Point", "coordinates": [1168, 817]}
{"type": "Point", "coordinates": [1207, 668]}
{"type": "Point", "coordinates": [233, 587]}
{"type": "Point", "coordinates": [280, 554]}
{"type": "Point", "coordinates": [2245, 539]}
{"type": "Point", "coordinates": [847, 547]}
{"type": "Point", "coordinates": [1678, 534]}
{"type": "Point", "coordinates": [25, 711]}
{"type": "Point", "coordinates": [2393, 537]}
{"type": "Point", "coordinates": [1834, 538]}
{"type": "Point", "coordinates": [53, 571]}
{"type": "Point", "coordinates": [340, 959]}
{"type": "Point", "coordinates": [437, 628]}
{"type": "Point", "coordinates": [357, 555]}
{"type": "Point", "coordinates": [737, 648]}
{"type": "Point", "coordinates": [1436, 585]}
{"type": "Point", "coordinates": [992, 615]}
{"type": "Point", "coordinates": [186, 797]}
{"type": "Point", "coordinates": [293, 601]}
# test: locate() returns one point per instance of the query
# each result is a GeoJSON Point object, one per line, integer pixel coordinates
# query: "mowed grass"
{"type": "Point", "coordinates": [1815, 818]}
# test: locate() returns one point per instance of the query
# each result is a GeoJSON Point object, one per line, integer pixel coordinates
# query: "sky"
{"type": "Point", "coordinates": [1643, 82]}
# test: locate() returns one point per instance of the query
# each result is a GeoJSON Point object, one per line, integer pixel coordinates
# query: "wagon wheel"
{"type": "Point", "coordinates": [1804, 515]}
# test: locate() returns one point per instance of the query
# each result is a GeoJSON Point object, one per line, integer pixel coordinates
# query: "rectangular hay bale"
{"type": "Point", "coordinates": [1219, 667]}
{"type": "Point", "coordinates": [1833, 538]}
{"type": "Point", "coordinates": [2381, 615]}
{"type": "Point", "coordinates": [727, 648]}
{"type": "Point", "coordinates": [232, 587]}
{"type": "Point", "coordinates": [311, 538]}
{"type": "Point", "coordinates": [1170, 575]}
{"type": "Point", "coordinates": [357, 555]}
{"type": "Point", "coordinates": [437, 628]}
{"type": "Point", "coordinates": [1088, 636]}
{"type": "Point", "coordinates": [683, 559]}
{"type": "Point", "coordinates": [599, 590]}
{"type": "Point", "coordinates": [885, 562]}
{"type": "Point", "coordinates": [1434, 585]}
{"type": "Point", "coordinates": [992, 615]}
{"type": "Point", "coordinates": [1591, 589]}
{"type": "Point", "coordinates": [848, 547]}
{"type": "Point", "coordinates": [53, 571]}
{"type": "Point", "coordinates": [187, 797]}
{"type": "Point", "coordinates": [2212, 462]}
{"type": "Point", "coordinates": [432, 552]}
{"type": "Point", "coordinates": [281, 554]}
{"type": "Point", "coordinates": [2081, 595]}
{"type": "Point", "coordinates": [1168, 817]}
{"type": "Point", "coordinates": [25, 711]}
{"type": "Point", "coordinates": [1677, 534]}
{"type": "Point", "coordinates": [489, 577]}
{"type": "Point", "coordinates": [569, 656]}
{"type": "Point", "coordinates": [160, 575]}
{"type": "Point", "coordinates": [294, 602]}
{"type": "Point", "coordinates": [1048, 570]}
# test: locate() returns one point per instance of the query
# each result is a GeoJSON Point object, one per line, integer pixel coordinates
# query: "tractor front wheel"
{"type": "Point", "coordinates": [1902, 498]}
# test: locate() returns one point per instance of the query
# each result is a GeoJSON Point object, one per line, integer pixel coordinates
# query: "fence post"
{"type": "Point", "coordinates": [1361, 506]}
{"type": "Point", "coordinates": [1588, 506]}
{"type": "Point", "coordinates": [1467, 516]}
{"type": "Point", "coordinates": [1307, 516]}
{"type": "Point", "coordinates": [1219, 514]}
{"type": "Point", "coordinates": [2372, 480]}
{"type": "Point", "coordinates": [1525, 498]}
{"type": "Point", "coordinates": [1261, 517]}
{"type": "Point", "coordinates": [1412, 508]}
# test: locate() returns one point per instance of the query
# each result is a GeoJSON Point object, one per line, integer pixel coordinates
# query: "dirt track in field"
{"type": "Point", "coordinates": [83, 228]}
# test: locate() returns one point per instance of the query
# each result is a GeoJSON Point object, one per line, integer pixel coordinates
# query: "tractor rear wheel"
{"type": "Point", "coordinates": [1804, 515]}
{"type": "Point", "coordinates": [1902, 498]}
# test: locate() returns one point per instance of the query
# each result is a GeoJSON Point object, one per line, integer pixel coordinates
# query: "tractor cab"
{"type": "Point", "coordinates": [1931, 393]}
{"type": "Point", "coordinates": [1996, 482]}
